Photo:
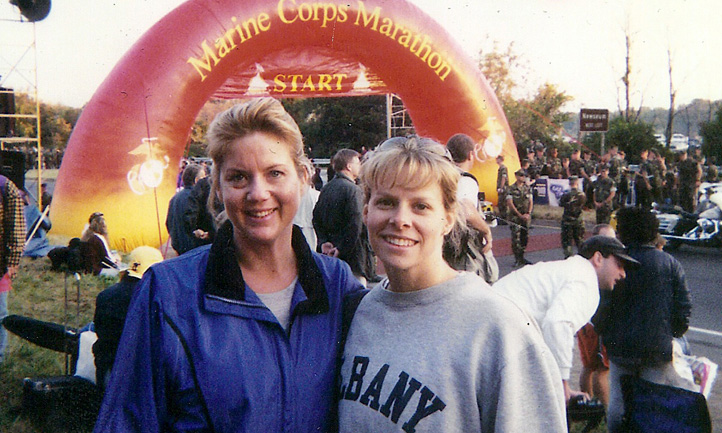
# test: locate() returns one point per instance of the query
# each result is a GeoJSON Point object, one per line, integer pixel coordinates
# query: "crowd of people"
{"type": "Point", "coordinates": [273, 315]}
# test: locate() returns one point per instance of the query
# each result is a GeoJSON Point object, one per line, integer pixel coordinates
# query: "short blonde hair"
{"type": "Point", "coordinates": [411, 162]}
{"type": "Point", "coordinates": [265, 115]}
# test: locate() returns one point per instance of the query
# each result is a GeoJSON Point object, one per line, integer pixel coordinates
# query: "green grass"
{"type": "Point", "coordinates": [39, 293]}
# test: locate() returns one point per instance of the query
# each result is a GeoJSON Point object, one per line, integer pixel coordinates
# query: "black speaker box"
{"type": "Point", "coordinates": [12, 166]}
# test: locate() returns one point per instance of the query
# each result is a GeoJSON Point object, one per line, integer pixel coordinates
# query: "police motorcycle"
{"type": "Point", "coordinates": [702, 228]}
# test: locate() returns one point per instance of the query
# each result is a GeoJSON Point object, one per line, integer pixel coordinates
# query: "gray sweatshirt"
{"type": "Point", "coordinates": [455, 357]}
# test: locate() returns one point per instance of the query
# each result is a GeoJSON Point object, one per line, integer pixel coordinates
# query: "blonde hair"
{"type": "Point", "coordinates": [411, 162]}
{"type": "Point", "coordinates": [265, 115]}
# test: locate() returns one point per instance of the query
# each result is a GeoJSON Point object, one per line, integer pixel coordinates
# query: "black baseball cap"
{"type": "Point", "coordinates": [521, 172]}
{"type": "Point", "coordinates": [608, 245]}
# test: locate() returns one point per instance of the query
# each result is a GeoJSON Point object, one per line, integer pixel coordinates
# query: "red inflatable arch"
{"type": "Point", "coordinates": [123, 155]}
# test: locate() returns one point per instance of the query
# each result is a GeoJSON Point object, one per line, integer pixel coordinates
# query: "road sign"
{"type": "Point", "coordinates": [593, 120]}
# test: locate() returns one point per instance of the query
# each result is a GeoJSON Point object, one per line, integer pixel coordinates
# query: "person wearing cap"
{"type": "Point", "coordinates": [563, 295]}
{"type": "Point", "coordinates": [639, 319]}
{"type": "Point", "coordinates": [111, 307]}
{"type": "Point", "coordinates": [604, 191]}
{"type": "Point", "coordinates": [519, 204]}
{"type": "Point", "coordinates": [573, 202]}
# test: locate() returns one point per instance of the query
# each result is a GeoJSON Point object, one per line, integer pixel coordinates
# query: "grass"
{"type": "Point", "coordinates": [39, 293]}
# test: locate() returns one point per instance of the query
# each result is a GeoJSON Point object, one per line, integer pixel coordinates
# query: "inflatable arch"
{"type": "Point", "coordinates": [122, 158]}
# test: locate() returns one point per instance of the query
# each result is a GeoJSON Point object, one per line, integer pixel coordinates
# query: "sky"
{"type": "Point", "coordinates": [577, 45]}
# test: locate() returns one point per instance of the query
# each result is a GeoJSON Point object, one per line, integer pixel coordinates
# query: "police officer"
{"type": "Point", "coordinates": [519, 204]}
{"type": "Point", "coordinates": [604, 192]}
{"type": "Point", "coordinates": [572, 223]}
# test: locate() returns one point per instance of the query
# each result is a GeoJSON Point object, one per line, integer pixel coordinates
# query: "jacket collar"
{"type": "Point", "coordinates": [225, 279]}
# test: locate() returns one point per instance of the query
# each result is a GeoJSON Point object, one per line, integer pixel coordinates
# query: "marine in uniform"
{"type": "Point", "coordinates": [572, 223]}
{"type": "Point", "coordinates": [604, 192]}
{"type": "Point", "coordinates": [519, 203]}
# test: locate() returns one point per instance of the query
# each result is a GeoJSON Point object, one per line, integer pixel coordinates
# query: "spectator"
{"type": "Point", "coordinates": [563, 295]}
{"type": "Point", "coordinates": [337, 217]}
{"type": "Point", "coordinates": [12, 233]}
{"type": "Point", "coordinates": [639, 319]}
{"type": "Point", "coordinates": [431, 349]}
{"type": "Point", "coordinates": [182, 218]}
{"type": "Point", "coordinates": [111, 307]}
{"type": "Point", "coordinates": [241, 335]}
{"type": "Point", "coordinates": [97, 255]}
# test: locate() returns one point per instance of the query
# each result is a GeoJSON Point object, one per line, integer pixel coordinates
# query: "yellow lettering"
{"type": "Point", "coordinates": [264, 22]}
{"type": "Point", "coordinates": [404, 39]}
{"type": "Point", "coordinates": [386, 26]}
{"type": "Point", "coordinates": [229, 38]}
{"type": "Point", "coordinates": [294, 82]}
{"type": "Point", "coordinates": [280, 83]}
{"type": "Point", "coordinates": [326, 17]}
{"type": "Point", "coordinates": [340, 77]}
{"type": "Point", "coordinates": [443, 70]}
{"type": "Point", "coordinates": [424, 46]}
{"type": "Point", "coordinates": [305, 12]}
{"type": "Point", "coordinates": [239, 30]}
{"type": "Point", "coordinates": [308, 84]}
{"type": "Point", "coordinates": [222, 47]}
{"type": "Point", "coordinates": [204, 64]}
{"type": "Point", "coordinates": [367, 19]}
{"type": "Point", "coordinates": [343, 13]}
{"type": "Point", "coordinates": [324, 81]}
{"type": "Point", "coordinates": [282, 15]}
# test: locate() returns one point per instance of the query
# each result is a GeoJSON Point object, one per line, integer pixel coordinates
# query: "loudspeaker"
{"type": "Point", "coordinates": [12, 166]}
{"type": "Point", "coordinates": [7, 106]}
{"type": "Point", "coordinates": [33, 10]}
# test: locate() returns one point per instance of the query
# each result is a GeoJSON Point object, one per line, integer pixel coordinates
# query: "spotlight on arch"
{"type": "Point", "coordinates": [33, 10]}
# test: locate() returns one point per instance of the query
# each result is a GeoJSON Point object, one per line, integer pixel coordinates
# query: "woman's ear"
{"type": "Point", "coordinates": [450, 222]}
{"type": "Point", "coordinates": [364, 213]}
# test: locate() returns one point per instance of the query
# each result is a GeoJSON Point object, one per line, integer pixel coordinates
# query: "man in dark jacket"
{"type": "Point", "coordinates": [112, 307]}
{"type": "Point", "coordinates": [337, 217]}
{"type": "Point", "coordinates": [182, 219]}
{"type": "Point", "coordinates": [638, 320]}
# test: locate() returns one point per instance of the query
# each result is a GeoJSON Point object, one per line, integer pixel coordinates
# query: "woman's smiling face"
{"type": "Point", "coordinates": [260, 187]}
{"type": "Point", "coordinates": [407, 227]}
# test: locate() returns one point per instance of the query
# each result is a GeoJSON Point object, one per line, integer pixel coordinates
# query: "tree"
{"type": "Point", "coordinates": [329, 124]}
{"type": "Point", "coordinates": [537, 118]}
{"type": "Point", "coordinates": [712, 137]}
{"type": "Point", "coordinates": [631, 137]}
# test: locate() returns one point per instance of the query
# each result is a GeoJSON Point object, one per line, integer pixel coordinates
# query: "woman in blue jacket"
{"type": "Point", "coordinates": [240, 335]}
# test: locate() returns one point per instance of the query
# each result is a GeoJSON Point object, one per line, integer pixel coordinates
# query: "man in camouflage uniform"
{"type": "Point", "coordinates": [540, 160]}
{"type": "Point", "coordinates": [690, 174]}
{"type": "Point", "coordinates": [589, 169]}
{"type": "Point", "coordinates": [502, 183]}
{"type": "Point", "coordinates": [576, 165]}
{"type": "Point", "coordinates": [553, 167]}
{"type": "Point", "coordinates": [519, 203]}
{"type": "Point", "coordinates": [604, 192]}
{"type": "Point", "coordinates": [572, 223]}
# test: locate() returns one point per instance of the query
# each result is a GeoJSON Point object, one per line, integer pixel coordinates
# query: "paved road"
{"type": "Point", "coordinates": [703, 268]}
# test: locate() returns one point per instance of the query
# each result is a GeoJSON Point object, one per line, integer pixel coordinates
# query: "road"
{"type": "Point", "coordinates": [703, 269]}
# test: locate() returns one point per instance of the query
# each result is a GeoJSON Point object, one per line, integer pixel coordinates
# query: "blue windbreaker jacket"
{"type": "Point", "coordinates": [200, 352]}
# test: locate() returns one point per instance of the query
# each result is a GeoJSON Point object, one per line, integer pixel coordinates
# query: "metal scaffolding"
{"type": "Point", "coordinates": [18, 70]}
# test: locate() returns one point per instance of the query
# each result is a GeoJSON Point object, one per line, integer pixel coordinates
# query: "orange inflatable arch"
{"type": "Point", "coordinates": [123, 156]}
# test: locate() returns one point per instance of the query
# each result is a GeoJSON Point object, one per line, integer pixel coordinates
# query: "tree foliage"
{"type": "Point", "coordinates": [539, 118]}
{"type": "Point", "coordinates": [629, 136]}
{"type": "Point", "coordinates": [56, 121]}
{"type": "Point", "coordinates": [329, 124]}
{"type": "Point", "coordinates": [712, 137]}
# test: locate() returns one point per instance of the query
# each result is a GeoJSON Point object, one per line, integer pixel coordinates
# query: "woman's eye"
{"type": "Point", "coordinates": [422, 206]}
{"type": "Point", "coordinates": [384, 202]}
{"type": "Point", "coordinates": [276, 173]}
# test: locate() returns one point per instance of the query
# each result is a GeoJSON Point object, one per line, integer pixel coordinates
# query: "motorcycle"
{"type": "Point", "coordinates": [702, 228]}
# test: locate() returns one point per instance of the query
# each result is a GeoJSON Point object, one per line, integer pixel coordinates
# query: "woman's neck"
{"type": "Point", "coordinates": [411, 280]}
{"type": "Point", "coordinates": [267, 268]}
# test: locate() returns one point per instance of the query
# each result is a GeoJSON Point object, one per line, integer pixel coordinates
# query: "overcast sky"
{"type": "Point", "coordinates": [576, 44]}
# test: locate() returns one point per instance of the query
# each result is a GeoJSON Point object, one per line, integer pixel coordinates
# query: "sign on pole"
{"type": "Point", "coordinates": [593, 120]}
